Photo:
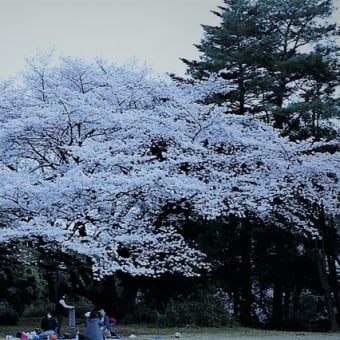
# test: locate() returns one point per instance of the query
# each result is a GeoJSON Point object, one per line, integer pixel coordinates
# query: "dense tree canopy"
{"type": "Point", "coordinates": [109, 162]}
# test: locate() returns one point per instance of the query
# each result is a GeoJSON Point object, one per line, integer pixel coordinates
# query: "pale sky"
{"type": "Point", "coordinates": [157, 32]}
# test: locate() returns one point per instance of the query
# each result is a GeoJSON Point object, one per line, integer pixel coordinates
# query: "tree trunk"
{"type": "Point", "coordinates": [277, 315]}
{"type": "Point", "coordinates": [242, 91]}
{"type": "Point", "coordinates": [334, 284]}
{"type": "Point", "coordinates": [126, 288]}
{"type": "Point", "coordinates": [322, 271]}
{"type": "Point", "coordinates": [287, 303]}
{"type": "Point", "coordinates": [236, 302]}
{"type": "Point", "coordinates": [246, 274]}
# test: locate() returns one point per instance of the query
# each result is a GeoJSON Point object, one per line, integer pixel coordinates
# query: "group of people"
{"type": "Point", "coordinates": [50, 326]}
{"type": "Point", "coordinates": [97, 324]}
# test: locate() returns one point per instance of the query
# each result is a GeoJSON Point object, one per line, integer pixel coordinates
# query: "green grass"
{"type": "Point", "coordinates": [28, 324]}
{"type": "Point", "coordinates": [151, 332]}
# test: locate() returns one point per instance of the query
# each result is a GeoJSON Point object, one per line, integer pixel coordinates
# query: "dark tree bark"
{"type": "Point", "coordinates": [277, 315]}
{"type": "Point", "coordinates": [322, 271]}
{"type": "Point", "coordinates": [246, 274]}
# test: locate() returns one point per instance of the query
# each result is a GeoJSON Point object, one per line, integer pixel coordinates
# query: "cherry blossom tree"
{"type": "Point", "coordinates": [109, 162]}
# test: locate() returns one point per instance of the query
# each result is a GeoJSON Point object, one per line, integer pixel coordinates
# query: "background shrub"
{"type": "Point", "coordinates": [8, 316]}
{"type": "Point", "coordinates": [141, 313]}
{"type": "Point", "coordinates": [206, 312]}
{"type": "Point", "coordinates": [41, 306]}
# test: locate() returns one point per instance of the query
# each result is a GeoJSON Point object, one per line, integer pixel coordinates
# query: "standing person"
{"type": "Point", "coordinates": [63, 309]}
{"type": "Point", "coordinates": [92, 329]}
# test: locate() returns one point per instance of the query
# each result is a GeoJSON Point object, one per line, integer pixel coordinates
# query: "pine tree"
{"type": "Point", "coordinates": [279, 61]}
{"type": "Point", "coordinates": [230, 50]}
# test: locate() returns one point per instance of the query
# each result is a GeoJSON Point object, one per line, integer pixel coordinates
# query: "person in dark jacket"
{"type": "Point", "coordinates": [48, 323]}
{"type": "Point", "coordinates": [62, 310]}
{"type": "Point", "coordinates": [92, 329]}
{"type": "Point", "coordinates": [48, 326]}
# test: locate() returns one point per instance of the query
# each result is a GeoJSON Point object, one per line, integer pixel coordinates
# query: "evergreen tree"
{"type": "Point", "coordinates": [230, 50]}
{"type": "Point", "coordinates": [279, 61]}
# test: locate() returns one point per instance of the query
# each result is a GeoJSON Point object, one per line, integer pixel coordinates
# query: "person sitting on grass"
{"type": "Point", "coordinates": [48, 326]}
{"type": "Point", "coordinates": [92, 329]}
{"type": "Point", "coordinates": [106, 323]}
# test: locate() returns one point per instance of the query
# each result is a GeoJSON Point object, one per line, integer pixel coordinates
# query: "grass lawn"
{"type": "Point", "coordinates": [144, 332]}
